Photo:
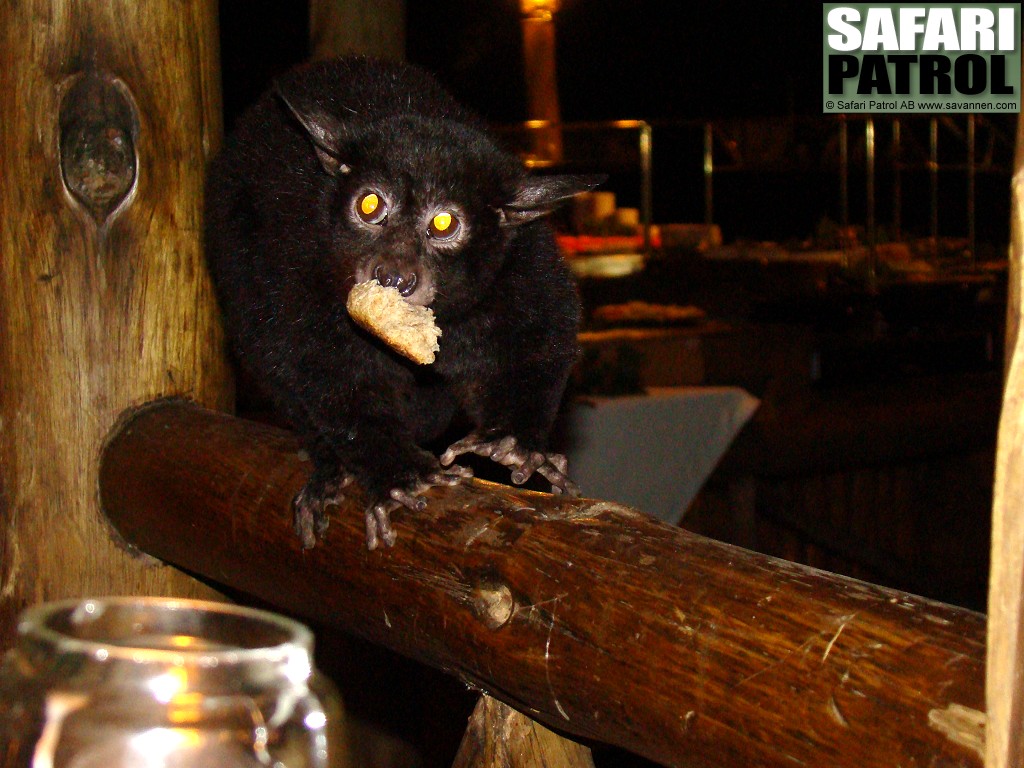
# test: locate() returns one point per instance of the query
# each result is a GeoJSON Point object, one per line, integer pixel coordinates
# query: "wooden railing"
{"type": "Point", "coordinates": [590, 617]}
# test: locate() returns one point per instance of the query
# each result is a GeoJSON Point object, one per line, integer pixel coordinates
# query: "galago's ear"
{"type": "Point", "coordinates": [325, 130]}
{"type": "Point", "coordinates": [539, 195]}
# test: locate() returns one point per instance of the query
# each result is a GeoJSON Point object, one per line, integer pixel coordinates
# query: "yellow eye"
{"type": "Point", "coordinates": [443, 226]}
{"type": "Point", "coordinates": [371, 208]}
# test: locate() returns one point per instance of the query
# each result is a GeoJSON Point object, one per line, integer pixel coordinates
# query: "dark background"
{"type": "Point", "coordinates": [617, 59]}
{"type": "Point", "coordinates": [675, 65]}
{"type": "Point", "coordinates": [625, 59]}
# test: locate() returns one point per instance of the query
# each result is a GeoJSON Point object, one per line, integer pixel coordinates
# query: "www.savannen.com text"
{"type": "Point", "coordinates": [930, 104]}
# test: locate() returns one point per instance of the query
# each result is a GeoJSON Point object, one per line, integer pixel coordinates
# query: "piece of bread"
{"type": "Point", "coordinates": [407, 328]}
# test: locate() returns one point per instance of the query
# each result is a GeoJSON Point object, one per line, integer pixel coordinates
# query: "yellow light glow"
{"type": "Point", "coordinates": [538, 9]}
{"type": "Point", "coordinates": [442, 221]}
{"type": "Point", "coordinates": [187, 709]}
{"type": "Point", "coordinates": [369, 203]}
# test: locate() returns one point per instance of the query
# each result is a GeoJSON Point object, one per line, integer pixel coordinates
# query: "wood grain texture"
{"type": "Point", "coordinates": [1005, 672]}
{"type": "Point", "coordinates": [97, 313]}
{"type": "Point", "coordinates": [500, 737]}
{"type": "Point", "coordinates": [586, 616]}
{"type": "Point", "coordinates": [1014, 287]}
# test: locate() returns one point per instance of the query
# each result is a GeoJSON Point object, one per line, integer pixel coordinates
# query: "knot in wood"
{"type": "Point", "coordinates": [493, 604]}
{"type": "Point", "coordinates": [98, 130]}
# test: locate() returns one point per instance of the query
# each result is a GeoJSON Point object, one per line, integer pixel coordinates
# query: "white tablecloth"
{"type": "Point", "coordinates": [653, 451]}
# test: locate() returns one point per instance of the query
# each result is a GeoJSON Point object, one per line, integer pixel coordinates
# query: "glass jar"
{"type": "Point", "coordinates": [164, 683]}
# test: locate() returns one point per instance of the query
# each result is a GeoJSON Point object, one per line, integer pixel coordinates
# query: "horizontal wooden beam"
{"type": "Point", "coordinates": [590, 617]}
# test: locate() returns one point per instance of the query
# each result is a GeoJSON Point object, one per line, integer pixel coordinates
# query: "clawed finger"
{"type": "Point", "coordinates": [524, 469]}
{"type": "Point", "coordinates": [450, 476]}
{"type": "Point", "coordinates": [412, 501]}
{"type": "Point", "coordinates": [465, 445]}
{"type": "Point", "coordinates": [378, 525]}
{"type": "Point", "coordinates": [560, 462]}
{"type": "Point", "coordinates": [304, 524]}
{"type": "Point", "coordinates": [560, 483]}
{"type": "Point", "coordinates": [506, 451]}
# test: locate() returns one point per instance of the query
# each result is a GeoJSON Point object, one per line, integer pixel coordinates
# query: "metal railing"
{"type": "Point", "coordinates": [858, 149]}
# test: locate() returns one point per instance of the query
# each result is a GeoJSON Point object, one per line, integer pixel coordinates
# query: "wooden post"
{"type": "Point", "coordinates": [109, 113]}
{"type": "Point", "coordinates": [500, 737]}
{"type": "Point", "coordinates": [1005, 666]}
{"type": "Point", "coordinates": [368, 27]}
{"type": "Point", "coordinates": [1014, 311]}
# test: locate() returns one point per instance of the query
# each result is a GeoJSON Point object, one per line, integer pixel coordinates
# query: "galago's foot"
{"type": "Point", "coordinates": [507, 451]}
{"type": "Point", "coordinates": [309, 507]}
{"type": "Point", "coordinates": [378, 516]}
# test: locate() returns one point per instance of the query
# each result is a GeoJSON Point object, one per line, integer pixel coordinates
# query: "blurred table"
{"type": "Point", "coordinates": [652, 451]}
{"type": "Point", "coordinates": [658, 357]}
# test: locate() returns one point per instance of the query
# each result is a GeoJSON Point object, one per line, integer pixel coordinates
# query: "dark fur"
{"type": "Point", "coordinates": [284, 249]}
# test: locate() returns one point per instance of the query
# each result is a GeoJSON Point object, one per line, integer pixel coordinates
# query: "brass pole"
{"type": "Point", "coordinates": [541, 80]}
